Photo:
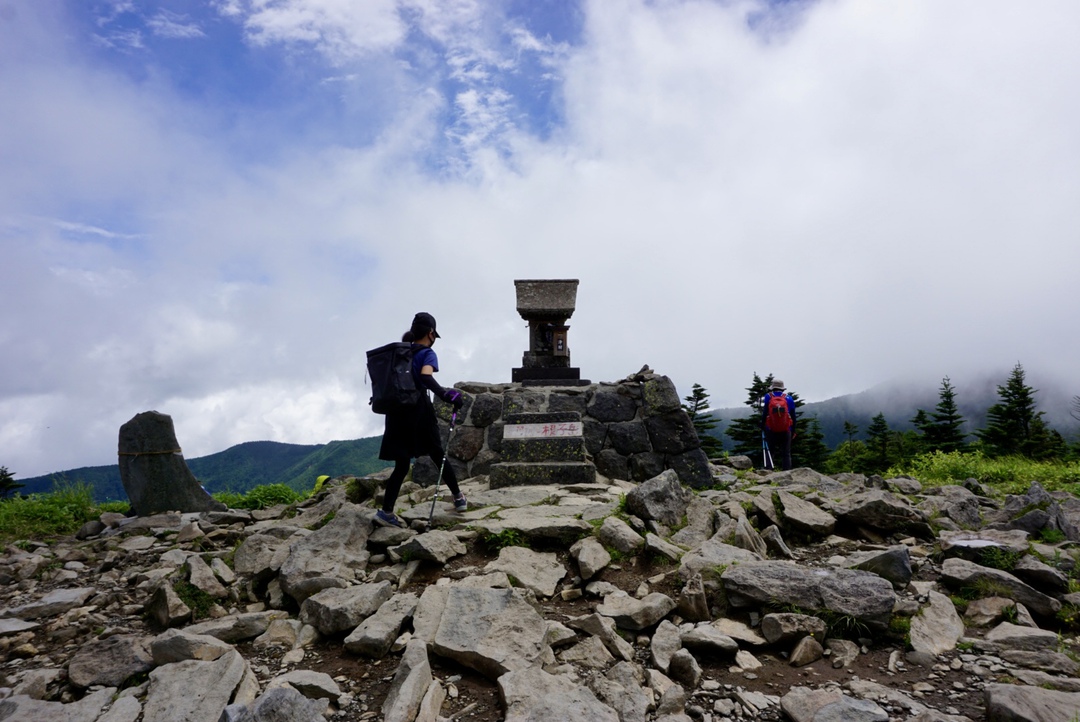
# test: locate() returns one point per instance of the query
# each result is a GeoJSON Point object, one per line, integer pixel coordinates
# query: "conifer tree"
{"type": "Point", "coordinates": [811, 450]}
{"type": "Point", "coordinates": [697, 406]}
{"type": "Point", "coordinates": [7, 483]}
{"type": "Point", "coordinates": [1014, 427]}
{"type": "Point", "coordinates": [877, 445]}
{"type": "Point", "coordinates": [943, 430]}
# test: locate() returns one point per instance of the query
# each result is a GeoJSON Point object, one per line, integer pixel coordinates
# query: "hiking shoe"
{"type": "Point", "coordinates": [461, 503]}
{"type": "Point", "coordinates": [383, 518]}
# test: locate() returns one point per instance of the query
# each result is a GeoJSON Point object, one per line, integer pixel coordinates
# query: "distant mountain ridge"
{"type": "Point", "coordinates": [239, 468]}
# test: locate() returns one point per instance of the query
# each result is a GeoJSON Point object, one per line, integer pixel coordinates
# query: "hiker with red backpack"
{"type": "Point", "coordinates": [778, 425]}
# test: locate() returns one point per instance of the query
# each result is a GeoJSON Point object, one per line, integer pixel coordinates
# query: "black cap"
{"type": "Point", "coordinates": [426, 320]}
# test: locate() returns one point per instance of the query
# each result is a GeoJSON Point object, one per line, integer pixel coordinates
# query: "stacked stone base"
{"type": "Point", "coordinates": [631, 429]}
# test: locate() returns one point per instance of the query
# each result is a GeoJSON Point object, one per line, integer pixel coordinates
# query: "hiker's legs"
{"type": "Point", "coordinates": [785, 452]}
{"type": "Point", "coordinates": [448, 474]}
{"type": "Point", "coordinates": [393, 484]}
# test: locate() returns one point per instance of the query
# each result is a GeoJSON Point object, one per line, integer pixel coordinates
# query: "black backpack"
{"type": "Point", "coordinates": [392, 383]}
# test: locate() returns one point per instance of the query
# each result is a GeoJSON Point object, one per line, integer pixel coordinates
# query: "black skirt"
{"type": "Point", "coordinates": [411, 432]}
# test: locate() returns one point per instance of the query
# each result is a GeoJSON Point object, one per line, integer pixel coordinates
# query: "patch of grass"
{"type": "Point", "coordinates": [1050, 536]}
{"type": "Point", "coordinates": [261, 497]}
{"type": "Point", "coordinates": [965, 646]}
{"type": "Point", "coordinates": [900, 629]}
{"type": "Point", "coordinates": [198, 601]}
{"type": "Point", "coordinates": [1008, 475]}
{"type": "Point", "coordinates": [324, 521]}
{"type": "Point", "coordinates": [505, 538]}
{"type": "Point", "coordinates": [1069, 617]}
{"type": "Point", "coordinates": [42, 516]}
{"type": "Point", "coordinates": [843, 626]}
{"type": "Point", "coordinates": [1001, 558]}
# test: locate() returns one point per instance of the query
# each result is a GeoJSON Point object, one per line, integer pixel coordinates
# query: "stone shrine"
{"type": "Point", "coordinates": [547, 305]}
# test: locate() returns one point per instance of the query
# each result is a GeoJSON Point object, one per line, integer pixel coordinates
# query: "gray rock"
{"type": "Point", "coordinates": [374, 636]}
{"type": "Point", "coordinates": [801, 516]}
{"type": "Point", "coordinates": [590, 555]}
{"type": "Point", "coordinates": [970, 544]}
{"type": "Point", "coordinates": [1018, 703]}
{"type": "Point", "coordinates": [866, 597]}
{"type": "Point", "coordinates": [311, 684]}
{"type": "Point", "coordinates": [533, 695]}
{"type": "Point", "coordinates": [1041, 576]}
{"type": "Point", "coordinates": [893, 564]}
{"type": "Point", "coordinates": [635, 614]}
{"type": "Point", "coordinates": [665, 642]}
{"type": "Point", "coordinates": [1042, 660]}
{"type": "Point", "coordinates": [786, 627]}
{"type": "Point", "coordinates": [176, 645]}
{"type": "Point", "coordinates": [329, 557]}
{"type": "Point", "coordinates": [124, 709]}
{"type": "Point", "coordinates": [539, 571]}
{"type": "Point", "coordinates": [709, 640]}
{"type": "Point", "coordinates": [692, 603]}
{"type": "Point", "coordinates": [410, 685]}
{"type": "Point", "coordinates": [1012, 636]}
{"type": "Point", "coordinates": [604, 628]}
{"type": "Point", "coordinates": [710, 558]}
{"type": "Point", "coordinates": [684, 668]}
{"type": "Point", "coordinates": [283, 704]}
{"type": "Point", "coordinates": [260, 556]}
{"type": "Point", "coordinates": [493, 631]}
{"type": "Point", "coordinates": [20, 708]}
{"type": "Point", "coordinates": [987, 611]}
{"type": "Point", "coordinates": [662, 548]}
{"type": "Point", "coordinates": [844, 652]}
{"type": "Point", "coordinates": [618, 535]}
{"type": "Point", "coordinates": [748, 538]}
{"type": "Point", "coordinates": [620, 688]}
{"type": "Point", "coordinates": [535, 525]}
{"type": "Point", "coordinates": [774, 542]}
{"type": "Point", "coordinates": [203, 578]}
{"type": "Point", "coordinates": [166, 608]}
{"type": "Point", "coordinates": [52, 604]}
{"type": "Point", "coordinates": [959, 573]}
{"type": "Point", "coordinates": [236, 627]}
{"type": "Point", "coordinates": [332, 611]}
{"type": "Point", "coordinates": [590, 653]}
{"type": "Point", "coordinates": [661, 499]}
{"type": "Point", "coordinates": [110, 662]}
{"type": "Point", "coordinates": [434, 546]}
{"type": "Point", "coordinates": [883, 512]}
{"type": "Point", "coordinates": [937, 627]}
{"type": "Point", "coordinates": [170, 697]}
{"type": "Point", "coordinates": [802, 704]}
{"type": "Point", "coordinates": [807, 650]}
{"type": "Point", "coordinates": [153, 471]}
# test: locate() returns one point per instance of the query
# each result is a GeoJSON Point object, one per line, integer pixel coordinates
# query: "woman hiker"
{"type": "Point", "coordinates": [414, 431]}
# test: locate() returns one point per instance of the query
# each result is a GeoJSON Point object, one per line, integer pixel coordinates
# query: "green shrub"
{"type": "Point", "coordinates": [505, 538]}
{"type": "Point", "coordinates": [198, 601]}
{"type": "Point", "coordinates": [1008, 474]}
{"type": "Point", "coordinates": [261, 497]}
{"type": "Point", "coordinates": [41, 516]}
{"type": "Point", "coordinates": [999, 558]}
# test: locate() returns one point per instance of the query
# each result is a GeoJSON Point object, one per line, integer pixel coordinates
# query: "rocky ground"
{"type": "Point", "coordinates": [788, 596]}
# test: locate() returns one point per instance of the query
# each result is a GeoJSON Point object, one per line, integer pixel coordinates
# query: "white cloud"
{"type": "Point", "coordinates": [847, 195]}
{"type": "Point", "coordinates": [172, 25]}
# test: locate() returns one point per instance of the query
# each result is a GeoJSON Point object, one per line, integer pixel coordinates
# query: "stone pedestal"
{"type": "Point", "coordinates": [542, 448]}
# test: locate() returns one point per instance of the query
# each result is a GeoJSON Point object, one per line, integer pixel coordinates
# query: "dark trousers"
{"type": "Point", "coordinates": [779, 449]}
{"type": "Point", "coordinates": [401, 470]}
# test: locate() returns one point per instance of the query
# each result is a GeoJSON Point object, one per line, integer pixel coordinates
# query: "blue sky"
{"type": "Point", "coordinates": [213, 208]}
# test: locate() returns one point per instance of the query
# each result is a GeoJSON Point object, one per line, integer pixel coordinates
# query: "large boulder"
{"type": "Point", "coordinates": [328, 557]}
{"type": "Point", "coordinates": [866, 598]}
{"type": "Point", "coordinates": [661, 498]}
{"type": "Point", "coordinates": [153, 471]}
{"type": "Point", "coordinates": [882, 511]}
{"type": "Point", "coordinates": [531, 695]}
{"type": "Point", "coordinates": [960, 573]}
{"type": "Point", "coordinates": [493, 631]}
{"type": "Point", "coordinates": [1020, 703]}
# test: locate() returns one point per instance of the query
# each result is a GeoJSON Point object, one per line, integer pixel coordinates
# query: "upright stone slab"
{"type": "Point", "coordinates": [542, 448]}
{"type": "Point", "coordinates": [153, 471]}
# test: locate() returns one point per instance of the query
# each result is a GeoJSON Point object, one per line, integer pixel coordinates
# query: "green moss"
{"type": "Point", "coordinates": [198, 601]}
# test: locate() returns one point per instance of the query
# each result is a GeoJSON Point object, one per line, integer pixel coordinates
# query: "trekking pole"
{"type": "Point", "coordinates": [431, 514]}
